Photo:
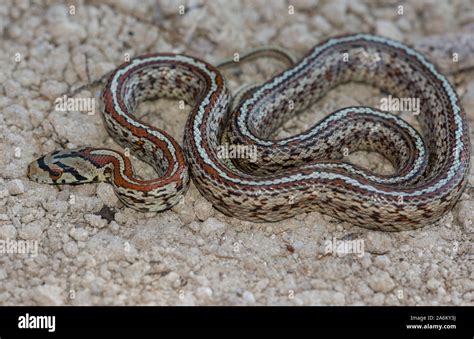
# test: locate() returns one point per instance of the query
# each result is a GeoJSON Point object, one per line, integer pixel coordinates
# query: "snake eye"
{"type": "Point", "coordinates": [56, 173]}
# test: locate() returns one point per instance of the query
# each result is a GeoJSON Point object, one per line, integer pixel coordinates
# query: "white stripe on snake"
{"type": "Point", "coordinates": [302, 173]}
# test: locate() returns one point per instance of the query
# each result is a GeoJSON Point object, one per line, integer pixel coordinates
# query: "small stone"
{"type": "Point", "coordinates": [172, 276]}
{"type": "Point", "coordinates": [30, 231]}
{"type": "Point", "coordinates": [322, 24]}
{"type": "Point", "coordinates": [27, 77]}
{"type": "Point", "coordinates": [56, 206]}
{"type": "Point", "coordinates": [13, 89]}
{"type": "Point", "coordinates": [335, 11]}
{"type": "Point", "coordinates": [466, 215]}
{"type": "Point", "coordinates": [204, 292]}
{"type": "Point", "coordinates": [4, 193]}
{"type": "Point", "coordinates": [358, 7]}
{"type": "Point", "coordinates": [388, 29]}
{"type": "Point", "coordinates": [321, 297]}
{"type": "Point", "coordinates": [17, 115]}
{"type": "Point", "coordinates": [79, 233]}
{"type": "Point", "coordinates": [248, 297]}
{"type": "Point", "coordinates": [3, 274]}
{"type": "Point", "coordinates": [114, 227]}
{"type": "Point", "coordinates": [7, 232]}
{"type": "Point", "coordinates": [135, 272]}
{"type": "Point", "coordinates": [433, 284]}
{"type": "Point", "coordinates": [52, 89]}
{"type": "Point", "coordinates": [203, 209]}
{"type": "Point", "coordinates": [15, 187]}
{"type": "Point", "coordinates": [378, 243]}
{"type": "Point", "coordinates": [70, 249]}
{"type": "Point", "coordinates": [382, 262]}
{"type": "Point", "coordinates": [68, 32]}
{"type": "Point", "coordinates": [298, 34]}
{"type": "Point", "coordinates": [194, 226]}
{"type": "Point", "coordinates": [468, 99]}
{"type": "Point", "coordinates": [212, 225]}
{"type": "Point", "coordinates": [49, 295]}
{"type": "Point", "coordinates": [95, 220]}
{"type": "Point", "coordinates": [381, 282]}
{"type": "Point", "coordinates": [106, 194]}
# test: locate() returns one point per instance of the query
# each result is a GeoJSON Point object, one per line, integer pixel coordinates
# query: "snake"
{"type": "Point", "coordinates": [302, 173]}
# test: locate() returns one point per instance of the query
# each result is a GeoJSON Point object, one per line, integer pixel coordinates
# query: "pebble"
{"type": "Point", "coordinates": [321, 297]}
{"type": "Point", "coordinates": [135, 272]}
{"type": "Point", "coordinates": [335, 11]}
{"type": "Point", "coordinates": [30, 231]}
{"type": "Point", "coordinates": [95, 220]}
{"type": "Point", "coordinates": [47, 295]}
{"type": "Point", "coordinates": [52, 89]}
{"type": "Point", "coordinates": [68, 32]}
{"type": "Point", "coordinates": [378, 243]}
{"type": "Point", "coordinates": [381, 282]}
{"type": "Point", "coordinates": [27, 77]}
{"type": "Point", "coordinates": [106, 194]}
{"type": "Point", "coordinates": [212, 225]}
{"type": "Point", "coordinates": [13, 89]}
{"type": "Point", "coordinates": [433, 284]}
{"type": "Point", "coordinates": [56, 206]}
{"type": "Point", "coordinates": [7, 232]}
{"type": "Point", "coordinates": [204, 292]}
{"type": "Point", "coordinates": [382, 262]}
{"type": "Point", "coordinates": [248, 297]}
{"type": "Point", "coordinates": [172, 276]}
{"type": "Point", "coordinates": [4, 193]}
{"type": "Point", "coordinates": [466, 215]}
{"type": "Point", "coordinates": [114, 227]}
{"type": "Point", "coordinates": [17, 115]}
{"type": "Point", "coordinates": [388, 29]}
{"type": "Point", "coordinates": [358, 7]}
{"type": "Point", "coordinates": [70, 249]}
{"type": "Point", "coordinates": [3, 274]}
{"type": "Point", "coordinates": [15, 187]}
{"type": "Point", "coordinates": [322, 24]}
{"type": "Point", "coordinates": [203, 209]}
{"type": "Point", "coordinates": [195, 226]}
{"type": "Point", "coordinates": [468, 100]}
{"type": "Point", "coordinates": [79, 233]}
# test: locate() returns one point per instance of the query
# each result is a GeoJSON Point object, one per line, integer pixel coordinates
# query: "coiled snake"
{"type": "Point", "coordinates": [298, 174]}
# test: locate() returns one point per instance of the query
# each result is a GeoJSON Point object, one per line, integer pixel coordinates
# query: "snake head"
{"type": "Point", "coordinates": [63, 167]}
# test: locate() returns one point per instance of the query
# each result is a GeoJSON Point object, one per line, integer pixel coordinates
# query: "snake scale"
{"type": "Point", "coordinates": [302, 173]}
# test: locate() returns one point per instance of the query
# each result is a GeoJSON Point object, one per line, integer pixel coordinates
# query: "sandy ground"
{"type": "Point", "coordinates": [91, 250]}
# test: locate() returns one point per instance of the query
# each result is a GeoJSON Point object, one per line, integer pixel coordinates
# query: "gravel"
{"type": "Point", "coordinates": [94, 251]}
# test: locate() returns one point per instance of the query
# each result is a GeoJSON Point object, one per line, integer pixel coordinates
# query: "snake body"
{"type": "Point", "coordinates": [302, 173]}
